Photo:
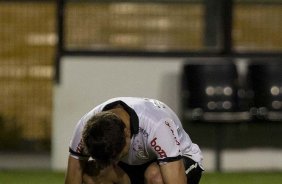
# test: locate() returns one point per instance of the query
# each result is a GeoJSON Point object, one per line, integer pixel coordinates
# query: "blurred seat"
{"type": "Point", "coordinates": [209, 91]}
{"type": "Point", "coordinates": [265, 80]}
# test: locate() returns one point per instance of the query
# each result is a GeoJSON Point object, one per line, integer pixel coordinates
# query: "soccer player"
{"type": "Point", "coordinates": [132, 140]}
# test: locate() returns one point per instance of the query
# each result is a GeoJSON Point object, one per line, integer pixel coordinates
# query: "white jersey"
{"type": "Point", "coordinates": [157, 132]}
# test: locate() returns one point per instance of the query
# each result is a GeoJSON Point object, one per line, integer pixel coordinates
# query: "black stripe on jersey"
{"type": "Point", "coordinates": [170, 159]}
{"type": "Point", "coordinates": [77, 154]}
{"type": "Point", "coordinates": [134, 120]}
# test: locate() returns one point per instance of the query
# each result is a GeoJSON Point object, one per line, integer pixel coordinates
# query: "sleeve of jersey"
{"type": "Point", "coordinates": [76, 146]}
{"type": "Point", "coordinates": [165, 142]}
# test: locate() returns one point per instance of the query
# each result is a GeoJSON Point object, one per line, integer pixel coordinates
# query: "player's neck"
{"type": "Point", "coordinates": [123, 115]}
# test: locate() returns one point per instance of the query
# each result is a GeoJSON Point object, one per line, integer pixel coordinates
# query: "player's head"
{"type": "Point", "coordinates": [104, 137]}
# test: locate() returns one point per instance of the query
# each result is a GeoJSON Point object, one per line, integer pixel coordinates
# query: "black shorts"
{"type": "Point", "coordinates": [136, 172]}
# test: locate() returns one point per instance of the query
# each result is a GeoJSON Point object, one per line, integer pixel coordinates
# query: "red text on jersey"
{"type": "Point", "coordinates": [172, 131]}
{"type": "Point", "coordinates": [158, 148]}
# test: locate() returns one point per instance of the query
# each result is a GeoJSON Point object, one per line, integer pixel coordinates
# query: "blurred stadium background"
{"type": "Point", "coordinates": [38, 36]}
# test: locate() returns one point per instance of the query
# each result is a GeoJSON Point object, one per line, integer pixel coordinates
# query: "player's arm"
{"type": "Point", "coordinates": [74, 171]}
{"type": "Point", "coordinates": [173, 172]}
{"type": "Point", "coordinates": [119, 176]}
{"type": "Point", "coordinates": [77, 159]}
{"type": "Point", "coordinates": [166, 144]}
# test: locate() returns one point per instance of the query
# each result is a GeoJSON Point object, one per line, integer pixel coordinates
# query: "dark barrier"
{"type": "Point", "coordinates": [209, 91]}
{"type": "Point", "coordinates": [265, 80]}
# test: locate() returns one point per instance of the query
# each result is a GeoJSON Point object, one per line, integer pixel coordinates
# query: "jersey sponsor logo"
{"type": "Point", "coordinates": [193, 166]}
{"type": "Point", "coordinates": [142, 155]}
{"type": "Point", "coordinates": [143, 132]}
{"type": "Point", "coordinates": [172, 131]}
{"type": "Point", "coordinates": [156, 103]}
{"type": "Point", "coordinates": [158, 148]}
{"type": "Point", "coordinates": [139, 142]}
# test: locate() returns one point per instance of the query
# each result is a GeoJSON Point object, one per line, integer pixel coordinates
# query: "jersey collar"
{"type": "Point", "coordinates": [134, 120]}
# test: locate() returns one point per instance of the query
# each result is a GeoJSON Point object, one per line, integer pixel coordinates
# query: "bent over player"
{"type": "Point", "coordinates": [132, 140]}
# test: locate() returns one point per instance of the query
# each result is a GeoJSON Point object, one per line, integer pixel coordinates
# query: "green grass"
{"type": "Point", "coordinates": [31, 177]}
{"type": "Point", "coordinates": [242, 178]}
{"type": "Point", "coordinates": [49, 177]}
